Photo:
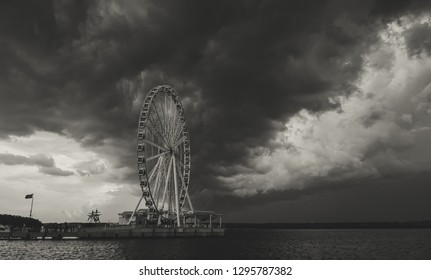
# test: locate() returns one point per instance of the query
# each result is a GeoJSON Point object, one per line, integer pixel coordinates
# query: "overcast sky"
{"type": "Point", "coordinates": [298, 111]}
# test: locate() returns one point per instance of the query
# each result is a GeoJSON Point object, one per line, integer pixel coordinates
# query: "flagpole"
{"type": "Point", "coordinates": [31, 209]}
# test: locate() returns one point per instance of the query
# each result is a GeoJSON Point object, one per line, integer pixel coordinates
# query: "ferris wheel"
{"type": "Point", "coordinates": [163, 154]}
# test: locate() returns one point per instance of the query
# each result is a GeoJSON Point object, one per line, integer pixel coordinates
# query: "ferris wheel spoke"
{"type": "Point", "coordinates": [168, 117]}
{"type": "Point", "coordinates": [181, 163]}
{"type": "Point", "coordinates": [154, 144]}
{"type": "Point", "coordinates": [155, 127]}
{"type": "Point", "coordinates": [157, 183]}
{"type": "Point", "coordinates": [171, 120]}
{"type": "Point", "coordinates": [175, 126]}
{"type": "Point", "coordinates": [160, 120]}
{"type": "Point", "coordinates": [161, 173]}
{"type": "Point", "coordinates": [171, 125]}
{"type": "Point", "coordinates": [155, 136]}
{"type": "Point", "coordinates": [166, 183]}
{"type": "Point", "coordinates": [180, 175]}
{"type": "Point", "coordinates": [162, 106]}
{"type": "Point", "coordinates": [157, 190]}
{"type": "Point", "coordinates": [157, 130]}
{"type": "Point", "coordinates": [154, 170]}
{"type": "Point", "coordinates": [156, 156]}
{"type": "Point", "coordinates": [181, 140]}
{"type": "Point", "coordinates": [178, 128]}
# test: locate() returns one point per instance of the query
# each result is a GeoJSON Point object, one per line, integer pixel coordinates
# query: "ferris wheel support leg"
{"type": "Point", "coordinates": [176, 193]}
{"type": "Point", "coordinates": [157, 184]}
{"type": "Point", "coordinates": [136, 209]}
{"type": "Point", "coordinates": [165, 189]}
{"type": "Point", "coordinates": [190, 202]}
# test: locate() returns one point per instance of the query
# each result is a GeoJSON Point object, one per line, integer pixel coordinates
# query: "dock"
{"type": "Point", "coordinates": [115, 232]}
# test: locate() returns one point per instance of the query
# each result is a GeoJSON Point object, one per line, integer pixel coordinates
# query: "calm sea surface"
{"type": "Point", "coordinates": [238, 244]}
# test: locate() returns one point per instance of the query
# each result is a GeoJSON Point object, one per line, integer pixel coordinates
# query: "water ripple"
{"type": "Point", "coordinates": [237, 244]}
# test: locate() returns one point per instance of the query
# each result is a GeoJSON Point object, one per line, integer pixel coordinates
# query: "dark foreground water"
{"type": "Point", "coordinates": [238, 244]}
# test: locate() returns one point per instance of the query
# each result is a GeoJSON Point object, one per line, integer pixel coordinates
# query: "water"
{"type": "Point", "coordinates": [238, 244]}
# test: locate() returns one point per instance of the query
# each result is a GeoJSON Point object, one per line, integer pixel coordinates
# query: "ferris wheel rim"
{"type": "Point", "coordinates": [177, 140]}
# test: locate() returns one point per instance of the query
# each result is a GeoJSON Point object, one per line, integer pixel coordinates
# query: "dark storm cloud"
{"type": "Point", "coordinates": [45, 164]}
{"type": "Point", "coordinates": [254, 63]}
{"type": "Point", "coordinates": [360, 201]}
{"type": "Point", "coordinates": [32, 22]}
{"type": "Point", "coordinates": [418, 39]}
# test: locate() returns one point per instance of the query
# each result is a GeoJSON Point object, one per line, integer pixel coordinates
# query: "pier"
{"type": "Point", "coordinates": [114, 232]}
